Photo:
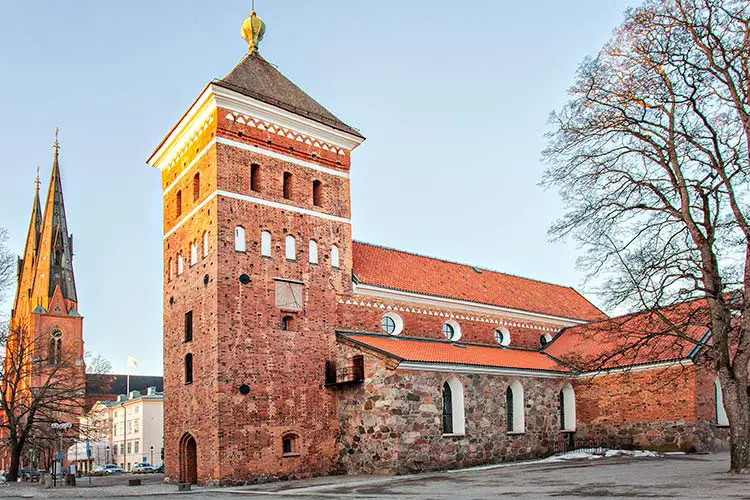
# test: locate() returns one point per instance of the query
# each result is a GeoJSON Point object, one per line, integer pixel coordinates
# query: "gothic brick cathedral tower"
{"type": "Point", "coordinates": [257, 248]}
{"type": "Point", "coordinates": [45, 311]}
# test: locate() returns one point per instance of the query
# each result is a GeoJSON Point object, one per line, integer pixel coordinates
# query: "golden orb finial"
{"type": "Point", "coordinates": [253, 29]}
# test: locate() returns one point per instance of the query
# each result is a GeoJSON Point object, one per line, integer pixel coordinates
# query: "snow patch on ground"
{"type": "Point", "coordinates": [597, 453]}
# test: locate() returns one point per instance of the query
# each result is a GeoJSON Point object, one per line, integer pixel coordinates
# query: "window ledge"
{"type": "Point", "coordinates": [515, 433]}
{"type": "Point", "coordinates": [290, 455]}
{"type": "Point", "coordinates": [454, 434]}
{"type": "Point", "coordinates": [723, 426]}
{"type": "Point", "coordinates": [568, 431]}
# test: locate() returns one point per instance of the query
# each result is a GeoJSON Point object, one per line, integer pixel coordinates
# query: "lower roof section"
{"type": "Point", "coordinates": [438, 355]}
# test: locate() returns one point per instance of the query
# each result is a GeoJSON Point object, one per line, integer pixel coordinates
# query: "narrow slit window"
{"type": "Point", "coordinates": [188, 326]}
{"type": "Point", "coordinates": [255, 177]}
{"type": "Point", "coordinates": [188, 368]}
{"type": "Point", "coordinates": [317, 193]}
{"type": "Point", "coordinates": [193, 253]}
{"type": "Point", "coordinates": [178, 203]}
{"type": "Point", "coordinates": [287, 190]}
{"type": "Point", "coordinates": [205, 243]}
{"type": "Point", "coordinates": [196, 187]}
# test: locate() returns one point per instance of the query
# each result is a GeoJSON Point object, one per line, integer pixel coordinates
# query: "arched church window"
{"type": "Point", "coordinates": [265, 243]}
{"type": "Point", "coordinates": [205, 243]}
{"type": "Point", "coordinates": [171, 269]}
{"type": "Point", "coordinates": [54, 352]}
{"type": "Point", "coordinates": [313, 252]}
{"type": "Point", "coordinates": [334, 256]}
{"type": "Point", "coordinates": [290, 247]}
{"type": "Point", "coordinates": [180, 264]}
{"type": "Point", "coordinates": [514, 408]}
{"type": "Point", "coordinates": [721, 413]}
{"type": "Point", "coordinates": [567, 408]}
{"type": "Point", "coordinates": [453, 407]}
{"type": "Point", "coordinates": [193, 253]}
{"type": "Point", "coordinates": [239, 239]}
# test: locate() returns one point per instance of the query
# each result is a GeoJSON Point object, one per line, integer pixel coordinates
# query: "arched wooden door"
{"type": "Point", "coordinates": [188, 460]}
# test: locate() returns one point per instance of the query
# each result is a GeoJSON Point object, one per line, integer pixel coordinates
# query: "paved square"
{"type": "Point", "coordinates": [670, 477]}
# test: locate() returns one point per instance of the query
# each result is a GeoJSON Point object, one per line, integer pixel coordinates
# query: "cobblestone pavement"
{"type": "Point", "coordinates": [671, 477]}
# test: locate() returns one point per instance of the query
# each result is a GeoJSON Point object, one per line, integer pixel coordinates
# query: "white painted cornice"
{"type": "Point", "coordinates": [638, 368]}
{"type": "Point", "coordinates": [214, 96]}
{"type": "Point", "coordinates": [240, 103]}
{"type": "Point", "coordinates": [442, 302]}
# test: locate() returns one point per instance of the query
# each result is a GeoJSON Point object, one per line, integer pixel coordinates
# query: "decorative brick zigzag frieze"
{"type": "Point", "coordinates": [446, 314]}
{"type": "Point", "coordinates": [284, 132]}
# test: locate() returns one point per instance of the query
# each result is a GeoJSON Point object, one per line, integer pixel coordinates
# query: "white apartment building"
{"type": "Point", "coordinates": [125, 432]}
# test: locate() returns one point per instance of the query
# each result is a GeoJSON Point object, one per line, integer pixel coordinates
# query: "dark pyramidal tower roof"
{"type": "Point", "coordinates": [257, 78]}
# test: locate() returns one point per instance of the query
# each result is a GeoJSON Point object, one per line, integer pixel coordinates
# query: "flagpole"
{"type": "Point", "coordinates": [127, 382]}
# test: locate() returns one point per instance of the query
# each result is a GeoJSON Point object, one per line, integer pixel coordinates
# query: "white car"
{"type": "Point", "coordinates": [108, 469]}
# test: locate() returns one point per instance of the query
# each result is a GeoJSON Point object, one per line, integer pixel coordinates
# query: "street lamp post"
{"type": "Point", "coordinates": [107, 454]}
{"type": "Point", "coordinates": [152, 454]}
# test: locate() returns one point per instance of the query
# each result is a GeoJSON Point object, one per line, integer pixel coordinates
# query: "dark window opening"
{"type": "Point", "coordinates": [509, 409]}
{"type": "Point", "coordinates": [358, 367]}
{"type": "Point", "coordinates": [447, 409]}
{"type": "Point", "coordinates": [561, 397]}
{"type": "Point", "coordinates": [289, 444]}
{"type": "Point", "coordinates": [255, 177]}
{"type": "Point", "coordinates": [188, 368]}
{"type": "Point", "coordinates": [317, 193]}
{"type": "Point", "coordinates": [287, 323]}
{"type": "Point", "coordinates": [330, 372]}
{"type": "Point", "coordinates": [54, 353]}
{"type": "Point", "coordinates": [196, 187]}
{"type": "Point", "coordinates": [178, 201]}
{"type": "Point", "coordinates": [287, 186]}
{"type": "Point", "coordinates": [543, 340]}
{"type": "Point", "coordinates": [188, 326]}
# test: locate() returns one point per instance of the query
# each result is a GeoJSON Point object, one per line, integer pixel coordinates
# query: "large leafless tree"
{"type": "Point", "coordinates": [651, 157]}
{"type": "Point", "coordinates": [40, 387]}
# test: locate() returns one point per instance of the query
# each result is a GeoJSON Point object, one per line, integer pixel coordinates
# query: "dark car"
{"type": "Point", "coordinates": [159, 469]}
{"type": "Point", "coordinates": [28, 475]}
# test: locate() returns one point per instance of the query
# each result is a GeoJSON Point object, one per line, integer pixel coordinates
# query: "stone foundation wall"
{"type": "Point", "coordinates": [392, 423]}
{"type": "Point", "coordinates": [661, 436]}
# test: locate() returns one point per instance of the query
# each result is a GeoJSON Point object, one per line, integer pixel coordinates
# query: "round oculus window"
{"type": "Point", "coordinates": [391, 323]}
{"type": "Point", "coordinates": [388, 325]}
{"type": "Point", "coordinates": [449, 331]}
{"type": "Point", "coordinates": [502, 336]}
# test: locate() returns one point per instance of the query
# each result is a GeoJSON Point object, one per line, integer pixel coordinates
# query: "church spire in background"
{"type": "Point", "coordinates": [55, 255]}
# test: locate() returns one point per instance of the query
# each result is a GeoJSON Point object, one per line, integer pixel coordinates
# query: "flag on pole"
{"type": "Point", "coordinates": [132, 361]}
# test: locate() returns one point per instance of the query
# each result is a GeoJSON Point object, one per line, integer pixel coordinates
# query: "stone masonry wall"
{"type": "Point", "coordinates": [392, 423]}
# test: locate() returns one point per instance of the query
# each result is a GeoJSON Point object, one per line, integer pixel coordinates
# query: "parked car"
{"type": "Point", "coordinates": [142, 468]}
{"type": "Point", "coordinates": [108, 469]}
{"type": "Point", "coordinates": [28, 475]}
{"type": "Point", "coordinates": [159, 469]}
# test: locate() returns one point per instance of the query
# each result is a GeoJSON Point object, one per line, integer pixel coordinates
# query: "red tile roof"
{"type": "Point", "coordinates": [438, 351]}
{"type": "Point", "coordinates": [634, 339]}
{"type": "Point", "coordinates": [397, 270]}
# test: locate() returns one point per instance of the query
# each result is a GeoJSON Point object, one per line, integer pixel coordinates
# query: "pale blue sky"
{"type": "Point", "coordinates": [452, 96]}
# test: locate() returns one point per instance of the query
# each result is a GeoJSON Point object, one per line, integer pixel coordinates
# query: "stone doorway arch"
{"type": "Point", "coordinates": [188, 459]}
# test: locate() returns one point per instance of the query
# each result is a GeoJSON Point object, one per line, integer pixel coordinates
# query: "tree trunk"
{"type": "Point", "coordinates": [15, 463]}
{"type": "Point", "coordinates": [737, 405]}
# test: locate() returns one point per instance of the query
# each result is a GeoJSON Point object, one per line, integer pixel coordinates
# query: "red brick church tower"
{"type": "Point", "coordinates": [257, 248]}
{"type": "Point", "coordinates": [45, 313]}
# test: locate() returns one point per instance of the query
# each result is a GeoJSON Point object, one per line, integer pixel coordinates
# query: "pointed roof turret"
{"type": "Point", "coordinates": [55, 255]}
{"type": "Point", "coordinates": [26, 263]}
